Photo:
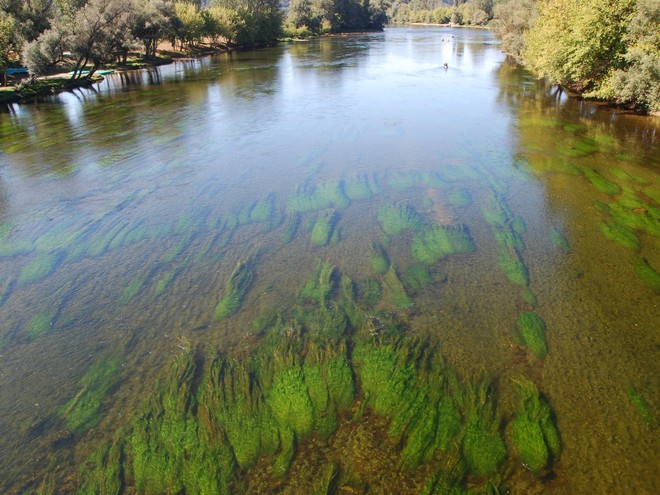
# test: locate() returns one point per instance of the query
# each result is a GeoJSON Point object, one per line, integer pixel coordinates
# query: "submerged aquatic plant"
{"type": "Point", "coordinates": [83, 410]}
{"type": "Point", "coordinates": [329, 194]}
{"type": "Point", "coordinates": [439, 241]}
{"type": "Point", "coordinates": [39, 268]}
{"type": "Point", "coordinates": [620, 234]}
{"type": "Point", "coordinates": [320, 284]}
{"type": "Point", "coordinates": [534, 432]}
{"type": "Point", "coordinates": [237, 286]}
{"type": "Point", "coordinates": [532, 330]}
{"type": "Point", "coordinates": [380, 262]}
{"type": "Point", "coordinates": [649, 275]}
{"type": "Point", "coordinates": [393, 290]}
{"type": "Point", "coordinates": [398, 218]}
{"type": "Point", "coordinates": [360, 187]}
{"type": "Point", "coordinates": [323, 228]}
{"type": "Point", "coordinates": [559, 240]}
{"type": "Point", "coordinates": [507, 229]}
{"type": "Point", "coordinates": [601, 183]}
{"type": "Point", "coordinates": [642, 406]}
{"type": "Point", "coordinates": [39, 325]}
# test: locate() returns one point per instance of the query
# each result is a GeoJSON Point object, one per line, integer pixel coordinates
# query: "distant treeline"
{"type": "Point", "coordinates": [607, 49]}
{"type": "Point", "coordinates": [461, 12]}
{"type": "Point", "coordinates": [86, 34]}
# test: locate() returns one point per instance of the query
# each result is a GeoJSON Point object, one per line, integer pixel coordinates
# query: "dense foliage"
{"type": "Point", "coordinates": [606, 49]}
{"type": "Point", "coordinates": [317, 16]}
{"type": "Point", "coordinates": [462, 12]}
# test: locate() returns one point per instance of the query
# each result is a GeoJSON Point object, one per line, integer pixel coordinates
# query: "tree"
{"type": "Point", "coordinates": [639, 82]}
{"type": "Point", "coordinates": [7, 42]}
{"type": "Point", "coordinates": [578, 44]}
{"type": "Point", "coordinates": [190, 28]}
{"type": "Point", "coordinates": [100, 30]}
{"type": "Point", "coordinates": [44, 53]}
{"type": "Point", "coordinates": [512, 20]}
{"type": "Point", "coordinates": [152, 22]}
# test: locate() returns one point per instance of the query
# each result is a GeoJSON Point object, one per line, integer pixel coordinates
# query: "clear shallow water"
{"type": "Point", "coordinates": [124, 211]}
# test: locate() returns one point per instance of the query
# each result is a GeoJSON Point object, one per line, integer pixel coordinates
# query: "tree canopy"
{"type": "Point", "coordinates": [606, 49]}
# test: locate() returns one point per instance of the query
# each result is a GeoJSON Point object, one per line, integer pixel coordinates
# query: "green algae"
{"type": "Point", "coordinates": [236, 288]}
{"type": "Point", "coordinates": [641, 405]}
{"type": "Point", "coordinates": [534, 433]}
{"type": "Point", "coordinates": [401, 181]}
{"type": "Point", "coordinates": [578, 147]}
{"type": "Point", "coordinates": [39, 325]}
{"type": "Point", "coordinates": [39, 268]}
{"type": "Point", "coordinates": [102, 471]}
{"type": "Point", "coordinates": [61, 236]}
{"type": "Point", "coordinates": [507, 230]}
{"type": "Point", "coordinates": [601, 183]}
{"type": "Point", "coordinates": [532, 331]}
{"type": "Point", "coordinates": [647, 274]}
{"type": "Point", "coordinates": [360, 187]}
{"type": "Point", "coordinates": [132, 289]}
{"type": "Point", "coordinates": [379, 260]}
{"type": "Point", "coordinates": [482, 446]}
{"type": "Point", "coordinates": [623, 175]}
{"type": "Point", "coordinates": [370, 292]}
{"type": "Point", "coordinates": [82, 412]}
{"type": "Point", "coordinates": [439, 241]}
{"type": "Point", "coordinates": [514, 268]}
{"type": "Point", "coordinates": [620, 234]}
{"type": "Point", "coordinates": [417, 277]}
{"type": "Point", "coordinates": [262, 211]}
{"type": "Point", "coordinates": [10, 248]}
{"type": "Point", "coordinates": [460, 197]}
{"type": "Point", "coordinates": [430, 411]}
{"type": "Point", "coordinates": [394, 294]}
{"type": "Point", "coordinates": [540, 165]}
{"type": "Point", "coordinates": [291, 225]}
{"type": "Point", "coordinates": [329, 194]}
{"type": "Point", "coordinates": [164, 282]}
{"type": "Point", "coordinates": [529, 297]}
{"type": "Point", "coordinates": [172, 446]}
{"type": "Point", "coordinates": [320, 284]}
{"type": "Point", "coordinates": [559, 240]}
{"type": "Point", "coordinates": [398, 218]}
{"type": "Point", "coordinates": [323, 228]}
{"type": "Point", "coordinates": [642, 217]}
{"type": "Point", "coordinates": [174, 252]}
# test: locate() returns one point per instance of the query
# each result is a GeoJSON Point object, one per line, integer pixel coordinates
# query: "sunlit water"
{"type": "Point", "coordinates": [125, 208]}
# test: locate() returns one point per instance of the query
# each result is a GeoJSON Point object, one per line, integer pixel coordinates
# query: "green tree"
{"type": "Point", "coordinates": [190, 28]}
{"type": "Point", "coordinates": [578, 44]}
{"type": "Point", "coordinates": [512, 20]}
{"type": "Point", "coordinates": [100, 30]}
{"type": "Point", "coordinates": [151, 23]}
{"type": "Point", "coordinates": [638, 83]}
{"type": "Point", "coordinates": [7, 42]}
{"type": "Point", "coordinates": [44, 53]}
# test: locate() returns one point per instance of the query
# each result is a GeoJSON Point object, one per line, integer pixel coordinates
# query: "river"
{"type": "Point", "coordinates": [332, 266]}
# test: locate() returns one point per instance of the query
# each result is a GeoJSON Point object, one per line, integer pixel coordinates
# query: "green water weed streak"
{"type": "Point", "coordinates": [534, 433]}
{"type": "Point", "coordinates": [531, 330]}
{"type": "Point", "coordinates": [214, 416]}
{"type": "Point", "coordinates": [235, 290]}
{"type": "Point", "coordinates": [395, 219]}
{"type": "Point", "coordinates": [507, 230]}
{"type": "Point", "coordinates": [439, 241]}
{"type": "Point", "coordinates": [83, 410]}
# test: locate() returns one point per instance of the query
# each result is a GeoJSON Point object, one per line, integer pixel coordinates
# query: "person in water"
{"type": "Point", "coordinates": [446, 65]}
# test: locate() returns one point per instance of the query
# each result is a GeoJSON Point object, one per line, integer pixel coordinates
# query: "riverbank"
{"type": "Point", "coordinates": [61, 81]}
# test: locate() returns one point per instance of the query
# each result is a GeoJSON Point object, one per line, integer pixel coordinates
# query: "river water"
{"type": "Point", "coordinates": [126, 208]}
